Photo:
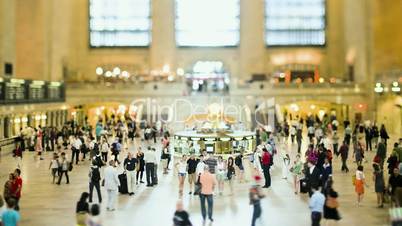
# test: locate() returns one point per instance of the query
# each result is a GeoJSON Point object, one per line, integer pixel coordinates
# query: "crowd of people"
{"type": "Point", "coordinates": [120, 170]}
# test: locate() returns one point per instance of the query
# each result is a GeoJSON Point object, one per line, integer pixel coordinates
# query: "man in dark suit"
{"type": "Point", "coordinates": [313, 177]}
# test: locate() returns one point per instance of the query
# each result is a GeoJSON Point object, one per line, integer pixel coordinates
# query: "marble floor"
{"type": "Point", "coordinates": [44, 203]}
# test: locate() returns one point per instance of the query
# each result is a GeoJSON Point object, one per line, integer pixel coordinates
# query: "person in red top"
{"type": "Point", "coordinates": [266, 160]}
{"type": "Point", "coordinates": [16, 188]}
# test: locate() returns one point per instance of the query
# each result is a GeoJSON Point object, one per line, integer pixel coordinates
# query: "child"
{"type": "Point", "coordinates": [10, 216]}
{"type": "Point", "coordinates": [359, 184]}
{"type": "Point", "coordinates": [54, 166]}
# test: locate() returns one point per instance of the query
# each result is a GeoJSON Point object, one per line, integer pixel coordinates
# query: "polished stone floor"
{"type": "Point", "coordinates": [44, 203]}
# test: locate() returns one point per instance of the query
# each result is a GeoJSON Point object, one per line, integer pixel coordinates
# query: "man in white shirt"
{"type": "Point", "coordinates": [112, 184]}
{"type": "Point", "coordinates": [200, 166]}
{"type": "Point", "coordinates": [75, 149]}
{"type": "Point", "coordinates": [150, 160]}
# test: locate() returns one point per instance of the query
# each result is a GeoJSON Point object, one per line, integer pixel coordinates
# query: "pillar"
{"type": "Point", "coordinates": [252, 45]}
{"type": "Point", "coordinates": [7, 34]}
{"type": "Point", "coordinates": [163, 46]}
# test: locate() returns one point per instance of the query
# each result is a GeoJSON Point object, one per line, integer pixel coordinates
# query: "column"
{"type": "Point", "coordinates": [163, 46]}
{"type": "Point", "coordinates": [358, 44]}
{"type": "Point", "coordinates": [7, 34]}
{"type": "Point", "coordinates": [252, 44]}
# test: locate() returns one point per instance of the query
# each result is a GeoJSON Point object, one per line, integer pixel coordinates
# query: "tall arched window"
{"type": "Point", "coordinates": [119, 23]}
{"type": "Point", "coordinates": [295, 22]}
{"type": "Point", "coordinates": [207, 23]}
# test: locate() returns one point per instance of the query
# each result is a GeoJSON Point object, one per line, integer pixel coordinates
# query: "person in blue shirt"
{"type": "Point", "coordinates": [316, 205]}
{"type": "Point", "coordinates": [10, 217]}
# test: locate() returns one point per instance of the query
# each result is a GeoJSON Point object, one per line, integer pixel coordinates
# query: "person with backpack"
{"type": "Point", "coordinates": [116, 148]}
{"type": "Point", "coordinates": [94, 181]}
{"type": "Point", "coordinates": [93, 147]}
{"type": "Point", "coordinates": [266, 162]}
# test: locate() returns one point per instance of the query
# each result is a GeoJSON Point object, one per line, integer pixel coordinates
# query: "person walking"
{"type": "Point", "coordinates": [384, 134]}
{"type": "Point", "coordinates": [10, 217]}
{"type": "Point", "coordinates": [82, 209]}
{"type": "Point", "coordinates": [296, 170]}
{"type": "Point", "coordinates": [299, 138]}
{"type": "Point", "coordinates": [116, 149]}
{"type": "Point", "coordinates": [358, 152]}
{"type": "Point", "coordinates": [230, 172]}
{"type": "Point", "coordinates": [379, 184]}
{"type": "Point", "coordinates": [181, 217]}
{"type": "Point", "coordinates": [17, 188]}
{"type": "Point", "coordinates": [313, 177]}
{"type": "Point", "coordinates": [348, 134]}
{"type": "Point", "coordinates": [375, 134]}
{"type": "Point", "coordinates": [344, 152]}
{"type": "Point", "coordinates": [335, 142]}
{"type": "Point", "coordinates": [191, 169]}
{"type": "Point", "coordinates": [112, 184]}
{"type": "Point", "coordinates": [63, 168]}
{"type": "Point", "coordinates": [94, 218]}
{"type": "Point", "coordinates": [104, 149]}
{"type": "Point", "coordinates": [359, 183]}
{"type": "Point", "coordinates": [208, 182]}
{"type": "Point", "coordinates": [255, 195]}
{"type": "Point", "coordinates": [221, 174]}
{"type": "Point", "coordinates": [7, 191]}
{"type": "Point", "coordinates": [181, 171]}
{"type": "Point", "coordinates": [129, 167]}
{"type": "Point", "coordinates": [140, 166]}
{"type": "Point", "coordinates": [54, 166]}
{"type": "Point", "coordinates": [266, 160]}
{"type": "Point", "coordinates": [331, 202]}
{"type": "Point", "coordinates": [150, 160]}
{"type": "Point", "coordinates": [382, 152]}
{"type": "Point", "coordinates": [368, 138]}
{"type": "Point", "coordinates": [75, 149]}
{"type": "Point", "coordinates": [240, 167]}
{"type": "Point", "coordinates": [316, 204]}
{"type": "Point", "coordinates": [94, 181]}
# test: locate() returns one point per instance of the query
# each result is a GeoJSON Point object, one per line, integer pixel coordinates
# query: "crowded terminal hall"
{"type": "Point", "coordinates": [200, 112]}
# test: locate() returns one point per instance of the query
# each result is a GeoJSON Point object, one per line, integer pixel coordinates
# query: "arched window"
{"type": "Point", "coordinates": [119, 23]}
{"type": "Point", "coordinates": [295, 22]}
{"type": "Point", "coordinates": [207, 23]}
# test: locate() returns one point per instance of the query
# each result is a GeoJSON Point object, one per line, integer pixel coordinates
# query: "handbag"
{"type": "Point", "coordinates": [332, 202]}
{"type": "Point", "coordinates": [197, 187]}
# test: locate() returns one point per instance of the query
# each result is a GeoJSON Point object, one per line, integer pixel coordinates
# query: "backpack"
{"type": "Point", "coordinates": [114, 147]}
{"type": "Point", "coordinates": [95, 174]}
{"type": "Point", "coordinates": [96, 147]}
{"type": "Point", "coordinates": [267, 155]}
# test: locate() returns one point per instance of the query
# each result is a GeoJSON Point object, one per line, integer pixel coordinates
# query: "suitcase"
{"type": "Point", "coordinates": [123, 189]}
{"type": "Point", "coordinates": [303, 186]}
